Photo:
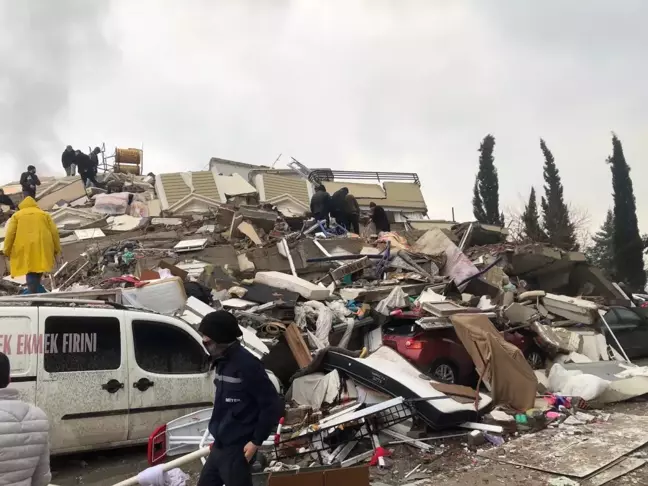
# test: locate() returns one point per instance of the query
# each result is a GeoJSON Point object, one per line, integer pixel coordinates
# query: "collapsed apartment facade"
{"type": "Point", "coordinates": [316, 303]}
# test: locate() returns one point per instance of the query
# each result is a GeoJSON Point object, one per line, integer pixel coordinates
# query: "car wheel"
{"type": "Point", "coordinates": [444, 372]}
{"type": "Point", "coordinates": [535, 358]}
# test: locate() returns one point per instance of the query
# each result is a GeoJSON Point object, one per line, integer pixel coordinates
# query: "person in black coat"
{"type": "Point", "coordinates": [338, 206]}
{"type": "Point", "coordinates": [6, 201]}
{"type": "Point", "coordinates": [67, 159]}
{"type": "Point", "coordinates": [320, 204]}
{"type": "Point", "coordinates": [379, 217]}
{"type": "Point", "coordinates": [29, 180]}
{"type": "Point", "coordinates": [247, 407]}
{"type": "Point", "coordinates": [86, 168]}
{"type": "Point", "coordinates": [94, 158]}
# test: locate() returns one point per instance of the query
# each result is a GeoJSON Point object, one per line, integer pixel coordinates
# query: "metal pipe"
{"type": "Point", "coordinates": [289, 256]}
{"type": "Point", "coordinates": [75, 274]}
{"type": "Point", "coordinates": [414, 441]}
{"type": "Point", "coordinates": [614, 336]}
{"type": "Point", "coordinates": [181, 461]}
{"type": "Point", "coordinates": [343, 257]}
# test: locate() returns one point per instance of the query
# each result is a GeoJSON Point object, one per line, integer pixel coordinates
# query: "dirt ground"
{"type": "Point", "coordinates": [451, 464]}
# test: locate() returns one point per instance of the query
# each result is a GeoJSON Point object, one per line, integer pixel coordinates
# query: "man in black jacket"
{"type": "Point", "coordinates": [29, 180]}
{"type": "Point", "coordinates": [379, 217]}
{"type": "Point", "coordinates": [320, 204]}
{"type": "Point", "coordinates": [86, 168]}
{"type": "Point", "coordinates": [338, 205]}
{"type": "Point", "coordinates": [94, 159]}
{"type": "Point", "coordinates": [67, 159]}
{"type": "Point", "coordinates": [247, 407]}
{"type": "Point", "coordinates": [6, 201]}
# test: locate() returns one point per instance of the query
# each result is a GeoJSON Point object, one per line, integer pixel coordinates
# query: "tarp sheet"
{"type": "Point", "coordinates": [498, 362]}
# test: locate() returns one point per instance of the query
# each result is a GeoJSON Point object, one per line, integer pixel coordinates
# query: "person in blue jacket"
{"type": "Point", "coordinates": [247, 407]}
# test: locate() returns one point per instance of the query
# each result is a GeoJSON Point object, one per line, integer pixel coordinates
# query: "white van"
{"type": "Point", "coordinates": [106, 375]}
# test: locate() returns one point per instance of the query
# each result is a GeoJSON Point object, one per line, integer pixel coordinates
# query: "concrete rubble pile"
{"type": "Point", "coordinates": [321, 311]}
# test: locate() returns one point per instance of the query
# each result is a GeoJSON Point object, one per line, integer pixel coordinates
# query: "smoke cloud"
{"type": "Point", "coordinates": [45, 48]}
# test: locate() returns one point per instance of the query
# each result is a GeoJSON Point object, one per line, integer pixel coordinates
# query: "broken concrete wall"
{"type": "Point", "coordinates": [219, 256]}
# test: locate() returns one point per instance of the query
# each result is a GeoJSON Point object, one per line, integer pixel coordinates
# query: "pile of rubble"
{"type": "Point", "coordinates": [317, 308]}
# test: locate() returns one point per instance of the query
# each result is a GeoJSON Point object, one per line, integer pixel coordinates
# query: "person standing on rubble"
{"type": "Point", "coordinates": [320, 204]}
{"type": "Point", "coordinates": [67, 159]}
{"type": "Point", "coordinates": [337, 206]}
{"type": "Point", "coordinates": [86, 168]}
{"type": "Point", "coordinates": [94, 159]}
{"type": "Point", "coordinates": [247, 406]}
{"type": "Point", "coordinates": [24, 436]}
{"type": "Point", "coordinates": [352, 213]}
{"type": "Point", "coordinates": [32, 244]}
{"type": "Point", "coordinates": [29, 180]}
{"type": "Point", "coordinates": [379, 217]}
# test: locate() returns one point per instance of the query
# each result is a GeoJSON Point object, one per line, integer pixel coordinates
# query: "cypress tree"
{"type": "Point", "coordinates": [478, 205]}
{"type": "Point", "coordinates": [486, 188]}
{"type": "Point", "coordinates": [601, 253]}
{"type": "Point", "coordinates": [627, 243]}
{"type": "Point", "coordinates": [531, 219]}
{"type": "Point", "coordinates": [557, 222]}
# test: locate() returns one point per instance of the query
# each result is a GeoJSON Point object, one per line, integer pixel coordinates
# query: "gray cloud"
{"type": "Point", "coordinates": [408, 85]}
{"type": "Point", "coordinates": [45, 48]}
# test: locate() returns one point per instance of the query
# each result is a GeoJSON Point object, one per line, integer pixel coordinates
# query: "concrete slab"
{"type": "Point", "coordinates": [578, 310]}
{"type": "Point", "coordinates": [259, 217]}
{"type": "Point", "coordinates": [457, 266]}
{"type": "Point", "coordinates": [89, 234]}
{"type": "Point", "coordinates": [306, 289]}
{"type": "Point", "coordinates": [520, 314]}
{"type": "Point", "coordinates": [70, 192]}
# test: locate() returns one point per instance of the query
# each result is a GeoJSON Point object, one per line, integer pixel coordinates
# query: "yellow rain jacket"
{"type": "Point", "coordinates": [32, 240]}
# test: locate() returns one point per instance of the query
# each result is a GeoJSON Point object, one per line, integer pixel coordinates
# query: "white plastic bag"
{"type": "Point", "coordinates": [576, 383]}
{"type": "Point", "coordinates": [397, 299]}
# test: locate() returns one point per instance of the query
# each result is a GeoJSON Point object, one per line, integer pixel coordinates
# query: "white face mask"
{"type": "Point", "coordinates": [216, 350]}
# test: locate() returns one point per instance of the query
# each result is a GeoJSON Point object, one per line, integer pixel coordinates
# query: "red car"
{"type": "Point", "coordinates": [439, 353]}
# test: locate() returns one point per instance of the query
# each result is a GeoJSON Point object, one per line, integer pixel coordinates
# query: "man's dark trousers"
{"type": "Point", "coordinates": [226, 466]}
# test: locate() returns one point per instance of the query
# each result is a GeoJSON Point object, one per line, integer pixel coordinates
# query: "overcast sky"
{"type": "Point", "coordinates": [348, 84]}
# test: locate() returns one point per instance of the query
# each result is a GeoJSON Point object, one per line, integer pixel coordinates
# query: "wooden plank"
{"type": "Point", "coordinates": [298, 346]}
{"type": "Point", "coordinates": [248, 230]}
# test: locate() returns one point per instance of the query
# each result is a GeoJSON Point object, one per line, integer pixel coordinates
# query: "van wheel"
{"type": "Point", "coordinates": [444, 372]}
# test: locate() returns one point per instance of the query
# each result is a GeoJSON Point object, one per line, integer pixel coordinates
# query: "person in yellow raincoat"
{"type": "Point", "coordinates": [32, 243]}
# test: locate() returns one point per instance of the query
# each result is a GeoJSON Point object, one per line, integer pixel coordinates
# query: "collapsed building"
{"type": "Point", "coordinates": [240, 237]}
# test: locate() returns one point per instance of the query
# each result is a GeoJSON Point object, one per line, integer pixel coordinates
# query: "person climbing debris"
{"type": "Point", "coordinates": [68, 161]}
{"type": "Point", "coordinates": [379, 217]}
{"type": "Point", "coordinates": [94, 159]}
{"type": "Point", "coordinates": [338, 202]}
{"type": "Point", "coordinates": [32, 244]}
{"type": "Point", "coordinates": [86, 169]}
{"type": "Point", "coordinates": [247, 407]}
{"type": "Point", "coordinates": [29, 180]}
{"type": "Point", "coordinates": [352, 213]}
{"type": "Point", "coordinates": [320, 204]}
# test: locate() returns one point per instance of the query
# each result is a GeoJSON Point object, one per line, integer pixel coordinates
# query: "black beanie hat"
{"type": "Point", "coordinates": [5, 371]}
{"type": "Point", "coordinates": [221, 327]}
